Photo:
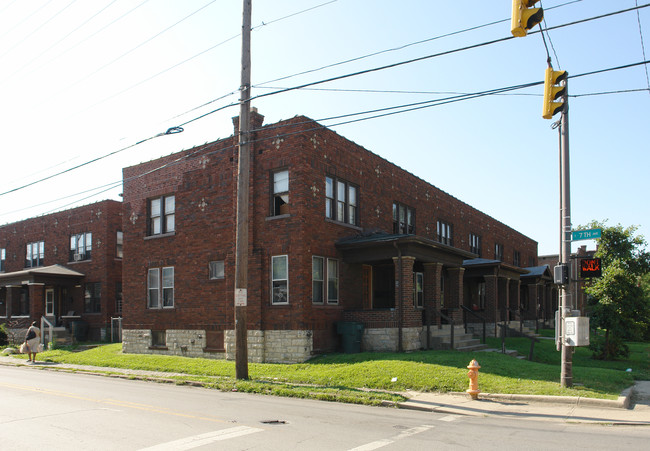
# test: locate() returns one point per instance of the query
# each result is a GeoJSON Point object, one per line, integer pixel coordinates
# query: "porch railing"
{"type": "Point", "coordinates": [50, 330]}
{"type": "Point", "coordinates": [507, 331]}
{"type": "Point", "coordinates": [467, 311]}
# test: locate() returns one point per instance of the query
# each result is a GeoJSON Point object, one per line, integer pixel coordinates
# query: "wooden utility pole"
{"type": "Point", "coordinates": [243, 188]}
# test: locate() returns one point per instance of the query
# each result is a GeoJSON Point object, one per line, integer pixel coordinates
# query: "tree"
{"type": "Point", "coordinates": [618, 305]}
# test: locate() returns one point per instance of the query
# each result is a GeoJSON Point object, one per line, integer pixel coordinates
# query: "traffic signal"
{"type": "Point", "coordinates": [553, 90]}
{"type": "Point", "coordinates": [524, 17]}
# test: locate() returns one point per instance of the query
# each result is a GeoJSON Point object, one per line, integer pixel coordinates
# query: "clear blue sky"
{"type": "Point", "coordinates": [80, 79]}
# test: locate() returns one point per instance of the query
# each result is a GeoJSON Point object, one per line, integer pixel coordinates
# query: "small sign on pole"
{"type": "Point", "coordinates": [590, 234]}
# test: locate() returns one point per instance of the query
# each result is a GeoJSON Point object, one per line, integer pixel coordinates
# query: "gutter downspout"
{"type": "Point", "coordinates": [400, 314]}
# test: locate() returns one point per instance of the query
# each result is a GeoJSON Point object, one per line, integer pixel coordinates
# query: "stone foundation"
{"type": "Point", "coordinates": [271, 346]}
{"type": "Point", "coordinates": [387, 339]}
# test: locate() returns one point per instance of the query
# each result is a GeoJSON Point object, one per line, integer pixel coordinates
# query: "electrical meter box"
{"type": "Point", "coordinates": [577, 331]}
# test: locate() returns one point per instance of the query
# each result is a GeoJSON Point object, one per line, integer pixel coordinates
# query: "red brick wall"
{"type": "Point", "coordinates": [103, 219]}
{"type": "Point", "coordinates": [205, 210]}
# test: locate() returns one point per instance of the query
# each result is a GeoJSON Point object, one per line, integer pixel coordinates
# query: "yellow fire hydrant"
{"type": "Point", "coordinates": [473, 379]}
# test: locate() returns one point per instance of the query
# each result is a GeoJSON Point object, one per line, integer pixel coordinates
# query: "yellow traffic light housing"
{"type": "Point", "coordinates": [553, 90]}
{"type": "Point", "coordinates": [524, 17]}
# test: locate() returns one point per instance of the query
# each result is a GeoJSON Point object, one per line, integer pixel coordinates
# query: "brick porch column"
{"type": "Point", "coordinates": [456, 293]}
{"type": "Point", "coordinates": [491, 298]}
{"type": "Point", "coordinates": [404, 295]}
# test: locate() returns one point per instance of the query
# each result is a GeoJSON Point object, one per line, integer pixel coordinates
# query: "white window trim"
{"type": "Point", "coordinates": [160, 289]}
{"type": "Point", "coordinates": [273, 280]}
{"type": "Point", "coordinates": [322, 281]}
{"type": "Point", "coordinates": [327, 281]}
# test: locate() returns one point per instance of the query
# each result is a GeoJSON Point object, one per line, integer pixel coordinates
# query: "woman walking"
{"type": "Point", "coordinates": [32, 339]}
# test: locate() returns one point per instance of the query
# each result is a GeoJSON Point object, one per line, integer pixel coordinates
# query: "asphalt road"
{"type": "Point", "coordinates": [56, 411]}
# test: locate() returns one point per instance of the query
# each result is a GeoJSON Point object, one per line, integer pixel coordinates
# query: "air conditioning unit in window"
{"type": "Point", "coordinates": [78, 257]}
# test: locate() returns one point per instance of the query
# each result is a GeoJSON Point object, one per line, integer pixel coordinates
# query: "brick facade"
{"type": "Point", "coordinates": [367, 289]}
{"type": "Point", "coordinates": [59, 276]}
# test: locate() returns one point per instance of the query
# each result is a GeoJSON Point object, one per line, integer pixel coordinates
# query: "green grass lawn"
{"type": "Point", "coordinates": [371, 378]}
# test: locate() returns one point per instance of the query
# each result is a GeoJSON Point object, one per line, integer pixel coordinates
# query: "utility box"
{"type": "Point", "coordinates": [576, 331]}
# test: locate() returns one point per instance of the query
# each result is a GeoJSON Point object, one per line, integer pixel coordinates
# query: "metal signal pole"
{"type": "Point", "coordinates": [243, 182]}
{"type": "Point", "coordinates": [566, 372]}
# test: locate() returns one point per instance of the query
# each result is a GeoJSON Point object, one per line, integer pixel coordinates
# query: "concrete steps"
{"type": "Point", "coordinates": [440, 339]}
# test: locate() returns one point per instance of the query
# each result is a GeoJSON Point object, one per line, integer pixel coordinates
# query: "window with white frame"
{"type": "Point", "coordinates": [445, 233]}
{"type": "Point", "coordinates": [498, 252]}
{"type": "Point", "coordinates": [403, 219]}
{"type": "Point", "coordinates": [119, 249]}
{"type": "Point", "coordinates": [35, 254]}
{"type": "Point", "coordinates": [160, 284]}
{"type": "Point", "coordinates": [317, 280]}
{"type": "Point", "coordinates": [280, 192]}
{"type": "Point", "coordinates": [81, 245]}
{"type": "Point", "coordinates": [3, 258]}
{"type": "Point", "coordinates": [475, 244]}
{"type": "Point", "coordinates": [418, 289]}
{"type": "Point", "coordinates": [325, 270]}
{"type": "Point", "coordinates": [341, 201]}
{"type": "Point", "coordinates": [217, 270]}
{"type": "Point", "coordinates": [280, 279]}
{"type": "Point", "coordinates": [162, 215]}
{"type": "Point", "coordinates": [332, 281]}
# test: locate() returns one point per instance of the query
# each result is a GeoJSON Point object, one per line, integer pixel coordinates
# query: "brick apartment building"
{"type": "Point", "coordinates": [65, 267]}
{"type": "Point", "coordinates": [336, 233]}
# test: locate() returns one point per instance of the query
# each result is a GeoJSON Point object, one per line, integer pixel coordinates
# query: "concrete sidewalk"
{"type": "Point", "coordinates": [631, 408]}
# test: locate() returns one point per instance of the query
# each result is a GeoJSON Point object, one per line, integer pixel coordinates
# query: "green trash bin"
{"type": "Point", "coordinates": [351, 333]}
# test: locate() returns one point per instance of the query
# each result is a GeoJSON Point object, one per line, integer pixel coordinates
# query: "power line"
{"type": "Point", "coordinates": [375, 113]}
{"type": "Point", "coordinates": [38, 28]}
{"type": "Point", "coordinates": [59, 41]}
{"type": "Point", "coordinates": [638, 18]}
{"type": "Point", "coordinates": [132, 49]}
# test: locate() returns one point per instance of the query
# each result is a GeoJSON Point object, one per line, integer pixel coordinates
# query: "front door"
{"type": "Point", "coordinates": [49, 302]}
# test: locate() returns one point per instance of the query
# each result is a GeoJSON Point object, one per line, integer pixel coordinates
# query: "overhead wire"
{"type": "Point", "coordinates": [638, 18]}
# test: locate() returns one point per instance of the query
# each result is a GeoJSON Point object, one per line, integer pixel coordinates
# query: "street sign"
{"type": "Point", "coordinates": [590, 234]}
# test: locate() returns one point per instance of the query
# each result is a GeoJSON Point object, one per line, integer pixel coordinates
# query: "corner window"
{"type": "Point", "coordinates": [162, 215]}
{"type": "Point", "coordinates": [35, 254]}
{"type": "Point", "coordinates": [280, 279]}
{"type": "Point", "coordinates": [81, 246]}
{"type": "Point", "coordinates": [3, 258]}
{"type": "Point", "coordinates": [160, 283]}
{"type": "Point", "coordinates": [403, 219]}
{"type": "Point", "coordinates": [119, 250]}
{"type": "Point", "coordinates": [475, 244]}
{"type": "Point", "coordinates": [418, 289]}
{"type": "Point", "coordinates": [341, 201]}
{"type": "Point", "coordinates": [445, 233]}
{"type": "Point", "coordinates": [92, 297]}
{"type": "Point", "coordinates": [498, 252]}
{"type": "Point", "coordinates": [216, 270]}
{"type": "Point", "coordinates": [280, 193]}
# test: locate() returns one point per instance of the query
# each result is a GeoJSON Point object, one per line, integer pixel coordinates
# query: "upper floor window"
{"type": "Point", "coordinates": [403, 219]}
{"type": "Point", "coordinates": [281, 192]}
{"type": "Point", "coordinates": [341, 201]}
{"type": "Point", "coordinates": [445, 233]}
{"type": "Point", "coordinates": [498, 252]}
{"type": "Point", "coordinates": [3, 258]}
{"type": "Point", "coordinates": [81, 246]}
{"type": "Point", "coordinates": [162, 215]}
{"type": "Point", "coordinates": [280, 279]}
{"type": "Point", "coordinates": [475, 244]}
{"type": "Point", "coordinates": [516, 258]}
{"type": "Point", "coordinates": [92, 297]}
{"type": "Point", "coordinates": [160, 283]}
{"type": "Point", "coordinates": [119, 248]}
{"type": "Point", "coordinates": [35, 254]}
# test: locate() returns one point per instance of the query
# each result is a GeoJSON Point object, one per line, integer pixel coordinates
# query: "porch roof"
{"type": "Point", "coordinates": [39, 274]}
{"type": "Point", "coordinates": [383, 246]}
{"type": "Point", "coordinates": [483, 266]}
{"type": "Point", "coordinates": [542, 272]}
